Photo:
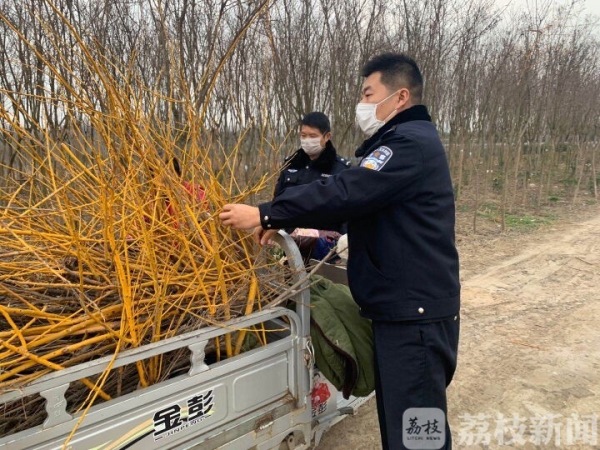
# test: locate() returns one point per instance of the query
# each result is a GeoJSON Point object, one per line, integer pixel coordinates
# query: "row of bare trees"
{"type": "Point", "coordinates": [515, 93]}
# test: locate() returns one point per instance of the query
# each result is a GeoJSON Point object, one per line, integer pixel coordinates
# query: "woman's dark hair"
{"type": "Point", "coordinates": [176, 166]}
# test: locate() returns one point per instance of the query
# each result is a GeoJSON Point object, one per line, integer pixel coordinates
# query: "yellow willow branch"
{"type": "Point", "coordinates": [50, 365]}
{"type": "Point", "coordinates": [252, 292]}
{"type": "Point", "coordinates": [222, 288]}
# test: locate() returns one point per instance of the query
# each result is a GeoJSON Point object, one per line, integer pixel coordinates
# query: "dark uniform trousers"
{"type": "Point", "coordinates": [414, 363]}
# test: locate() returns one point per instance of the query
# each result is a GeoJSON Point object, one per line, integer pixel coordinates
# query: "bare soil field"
{"type": "Point", "coordinates": [528, 374]}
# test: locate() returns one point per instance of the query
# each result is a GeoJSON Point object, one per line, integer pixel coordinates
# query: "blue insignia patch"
{"type": "Point", "coordinates": [377, 159]}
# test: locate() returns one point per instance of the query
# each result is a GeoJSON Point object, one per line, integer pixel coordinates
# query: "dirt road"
{"type": "Point", "coordinates": [529, 360]}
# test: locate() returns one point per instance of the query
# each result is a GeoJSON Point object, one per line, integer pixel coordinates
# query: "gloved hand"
{"type": "Point", "coordinates": [342, 247]}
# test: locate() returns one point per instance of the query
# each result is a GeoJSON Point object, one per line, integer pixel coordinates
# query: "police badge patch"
{"type": "Point", "coordinates": [377, 159]}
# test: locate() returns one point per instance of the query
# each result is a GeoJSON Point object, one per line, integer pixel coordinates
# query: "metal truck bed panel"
{"type": "Point", "coordinates": [169, 413]}
{"type": "Point", "coordinates": [257, 400]}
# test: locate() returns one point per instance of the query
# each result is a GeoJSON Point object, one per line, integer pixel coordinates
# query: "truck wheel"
{"type": "Point", "coordinates": [293, 441]}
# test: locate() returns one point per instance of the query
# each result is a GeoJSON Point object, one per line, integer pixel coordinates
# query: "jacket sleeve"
{"type": "Point", "coordinates": [356, 192]}
{"type": "Point", "coordinates": [280, 183]}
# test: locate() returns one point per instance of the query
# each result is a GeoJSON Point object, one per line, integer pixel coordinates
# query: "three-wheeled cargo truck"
{"type": "Point", "coordinates": [259, 399]}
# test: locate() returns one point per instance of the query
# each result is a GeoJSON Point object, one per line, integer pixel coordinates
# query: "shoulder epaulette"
{"type": "Point", "coordinates": [344, 161]}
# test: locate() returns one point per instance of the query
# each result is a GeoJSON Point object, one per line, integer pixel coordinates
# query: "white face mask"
{"type": "Point", "coordinates": [311, 146]}
{"type": "Point", "coordinates": [366, 116]}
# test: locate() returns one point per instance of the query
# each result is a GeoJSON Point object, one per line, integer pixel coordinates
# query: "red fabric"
{"type": "Point", "coordinates": [320, 394]}
{"type": "Point", "coordinates": [195, 191]}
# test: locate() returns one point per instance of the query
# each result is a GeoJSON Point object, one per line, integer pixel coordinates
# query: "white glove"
{"type": "Point", "coordinates": [342, 247]}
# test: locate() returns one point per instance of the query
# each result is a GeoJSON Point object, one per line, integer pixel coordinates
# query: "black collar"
{"type": "Point", "coordinates": [417, 112]}
{"type": "Point", "coordinates": [324, 162]}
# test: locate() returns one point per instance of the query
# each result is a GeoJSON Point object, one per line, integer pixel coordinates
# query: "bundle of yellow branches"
{"type": "Point", "coordinates": [104, 246]}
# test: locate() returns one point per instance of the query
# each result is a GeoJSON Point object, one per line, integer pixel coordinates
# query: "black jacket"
{"type": "Point", "coordinates": [399, 204]}
{"type": "Point", "coordinates": [300, 169]}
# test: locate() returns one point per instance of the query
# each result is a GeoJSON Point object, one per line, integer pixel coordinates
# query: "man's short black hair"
{"type": "Point", "coordinates": [317, 120]}
{"type": "Point", "coordinates": [397, 71]}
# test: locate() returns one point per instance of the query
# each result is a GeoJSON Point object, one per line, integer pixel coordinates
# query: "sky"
{"type": "Point", "coordinates": [589, 6]}
{"type": "Point", "coordinates": [593, 6]}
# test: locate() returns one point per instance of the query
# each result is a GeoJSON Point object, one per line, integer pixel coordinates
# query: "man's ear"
{"type": "Point", "coordinates": [403, 99]}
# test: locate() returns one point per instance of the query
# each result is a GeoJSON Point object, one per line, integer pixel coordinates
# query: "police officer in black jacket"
{"type": "Point", "coordinates": [316, 159]}
{"type": "Point", "coordinates": [403, 263]}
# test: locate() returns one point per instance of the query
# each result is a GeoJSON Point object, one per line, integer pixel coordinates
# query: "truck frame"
{"type": "Point", "coordinates": [258, 400]}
